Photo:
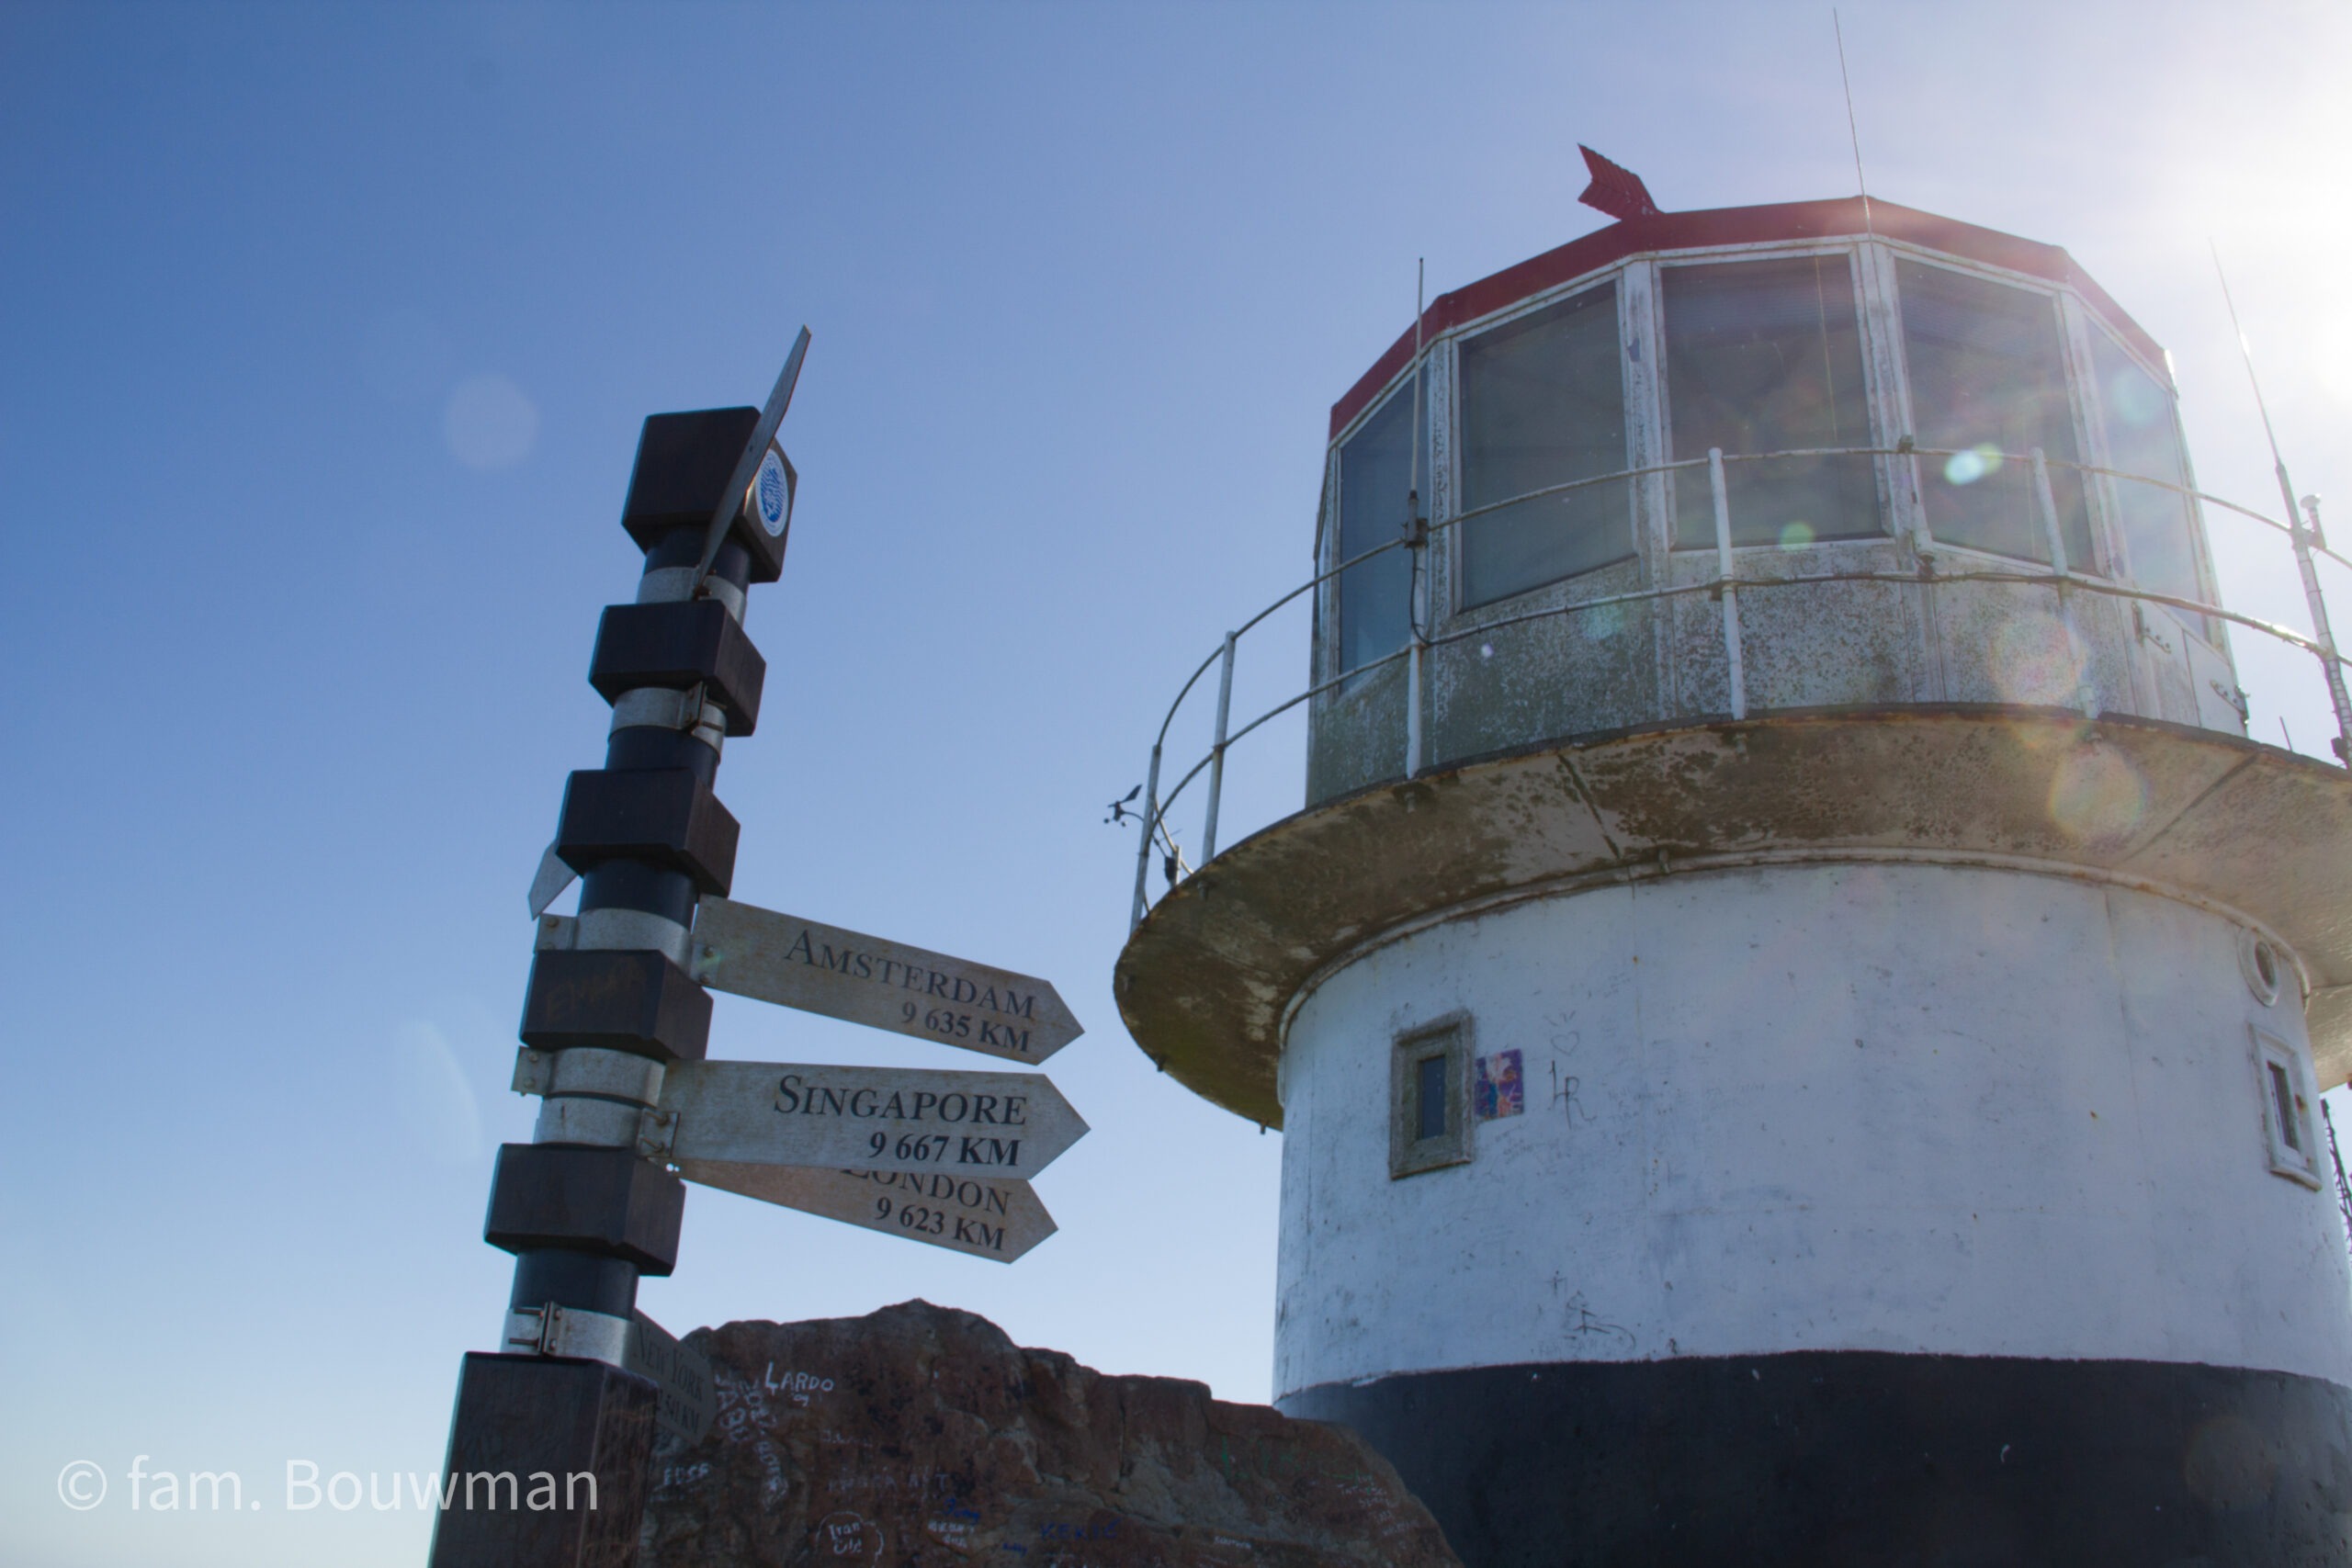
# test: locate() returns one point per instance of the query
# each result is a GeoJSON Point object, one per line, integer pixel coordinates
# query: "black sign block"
{"type": "Point", "coordinates": [676, 645]}
{"type": "Point", "coordinates": [683, 461]}
{"type": "Point", "coordinates": [549, 1465]}
{"type": "Point", "coordinates": [618, 1001]}
{"type": "Point", "coordinates": [662, 817]}
{"type": "Point", "coordinates": [586, 1197]}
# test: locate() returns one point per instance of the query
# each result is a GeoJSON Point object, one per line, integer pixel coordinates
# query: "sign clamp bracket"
{"type": "Point", "coordinates": [636, 1343]}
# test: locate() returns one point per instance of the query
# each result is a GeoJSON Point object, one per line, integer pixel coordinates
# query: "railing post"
{"type": "Point", "coordinates": [2301, 537]}
{"type": "Point", "coordinates": [1216, 753]}
{"type": "Point", "coordinates": [1413, 710]}
{"type": "Point", "coordinates": [1722, 575]}
{"type": "Point", "coordinates": [1905, 471]}
{"type": "Point", "coordinates": [2045, 502]}
{"type": "Point", "coordinates": [1143, 849]}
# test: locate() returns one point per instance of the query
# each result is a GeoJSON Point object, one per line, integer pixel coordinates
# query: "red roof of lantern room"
{"type": "Point", "coordinates": [1738, 226]}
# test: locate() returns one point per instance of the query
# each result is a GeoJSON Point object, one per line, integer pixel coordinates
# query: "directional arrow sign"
{"type": "Point", "coordinates": [980, 1215]}
{"type": "Point", "coordinates": [799, 963]}
{"type": "Point", "coordinates": [1001, 1125]}
{"type": "Point", "coordinates": [687, 1401]}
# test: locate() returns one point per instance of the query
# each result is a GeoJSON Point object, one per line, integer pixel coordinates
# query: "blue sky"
{"type": "Point", "coordinates": [327, 334]}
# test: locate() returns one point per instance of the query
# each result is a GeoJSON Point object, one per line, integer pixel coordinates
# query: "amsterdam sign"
{"type": "Point", "coordinates": [843, 973]}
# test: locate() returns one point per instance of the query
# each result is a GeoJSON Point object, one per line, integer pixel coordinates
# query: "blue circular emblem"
{"type": "Point", "coordinates": [775, 500]}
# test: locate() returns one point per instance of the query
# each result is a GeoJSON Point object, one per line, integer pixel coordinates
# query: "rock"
{"type": "Point", "coordinates": [923, 1436]}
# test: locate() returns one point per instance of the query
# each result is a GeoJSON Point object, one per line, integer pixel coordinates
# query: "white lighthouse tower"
{"type": "Point", "coordinates": [1796, 1011]}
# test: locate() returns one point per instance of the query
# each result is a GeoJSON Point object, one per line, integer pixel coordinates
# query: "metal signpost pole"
{"type": "Point", "coordinates": [550, 1445]}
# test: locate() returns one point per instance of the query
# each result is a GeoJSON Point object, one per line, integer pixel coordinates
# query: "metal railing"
{"type": "Point", "coordinates": [2303, 534]}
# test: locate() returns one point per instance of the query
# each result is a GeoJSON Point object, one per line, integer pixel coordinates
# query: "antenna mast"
{"type": "Point", "coordinates": [1852, 133]}
{"type": "Point", "coordinates": [2301, 534]}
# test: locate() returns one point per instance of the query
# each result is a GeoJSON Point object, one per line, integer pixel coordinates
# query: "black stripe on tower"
{"type": "Point", "coordinates": [1825, 1458]}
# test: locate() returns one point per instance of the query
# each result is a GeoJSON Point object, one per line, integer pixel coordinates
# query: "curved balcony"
{"type": "Point", "coordinates": [2040, 777]}
{"type": "Point", "coordinates": [1749, 631]}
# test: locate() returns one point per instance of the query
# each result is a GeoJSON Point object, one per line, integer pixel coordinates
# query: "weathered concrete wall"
{"type": "Point", "coordinates": [1567, 674]}
{"type": "Point", "coordinates": [1832, 645]}
{"type": "Point", "coordinates": [1885, 1107]}
{"type": "Point", "coordinates": [1356, 734]}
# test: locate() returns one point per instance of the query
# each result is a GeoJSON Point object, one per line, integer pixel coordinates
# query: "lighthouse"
{"type": "Point", "coordinates": [1796, 1010]}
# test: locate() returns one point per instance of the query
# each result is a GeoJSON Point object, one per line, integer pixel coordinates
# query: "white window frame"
{"type": "Point", "coordinates": [1615, 275]}
{"type": "Point", "coordinates": [2292, 1144]}
{"type": "Point", "coordinates": [2118, 544]}
{"type": "Point", "coordinates": [1409, 1155]}
{"type": "Point", "coordinates": [1874, 392]}
{"type": "Point", "coordinates": [2090, 437]}
{"type": "Point", "coordinates": [1327, 653]}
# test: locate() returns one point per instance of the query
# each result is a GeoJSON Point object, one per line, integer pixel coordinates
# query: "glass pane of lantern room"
{"type": "Point", "coordinates": [1766, 356]}
{"type": "Point", "coordinates": [1543, 404]}
{"type": "Point", "coordinates": [1375, 476]}
{"type": "Point", "coordinates": [2143, 439]}
{"type": "Point", "coordinates": [1987, 378]}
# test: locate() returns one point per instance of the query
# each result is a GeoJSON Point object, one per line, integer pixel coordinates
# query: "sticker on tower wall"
{"type": "Point", "coordinates": [1499, 1090]}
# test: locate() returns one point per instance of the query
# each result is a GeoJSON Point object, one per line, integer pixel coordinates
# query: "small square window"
{"type": "Point", "coordinates": [1429, 1081]}
{"type": "Point", "coordinates": [2286, 1096]}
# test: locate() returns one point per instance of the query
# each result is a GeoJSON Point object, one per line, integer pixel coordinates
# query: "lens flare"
{"type": "Point", "coordinates": [489, 424]}
{"type": "Point", "coordinates": [429, 1095]}
{"type": "Point", "coordinates": [2132, 399]}
{"type": "Point", "coordinates": [1795, 536]}
{"type": "Point", "coordinates": [2039, 661]}
{"type": "Point", "coordinates": [2096, 795]}
{"type": "Point", "coordinates": [1976, 463]}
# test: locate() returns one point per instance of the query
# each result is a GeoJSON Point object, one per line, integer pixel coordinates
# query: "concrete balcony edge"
{"type": "Point", "coordinates": [1206, 983]}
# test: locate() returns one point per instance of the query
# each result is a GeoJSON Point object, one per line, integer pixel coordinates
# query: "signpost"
{"type": "Point", "coordinates": [616, 1024]}
{"type": "Point", "coordinates": [984, 1217]}
{"type": "Point", "coordinates": [888, 985]}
